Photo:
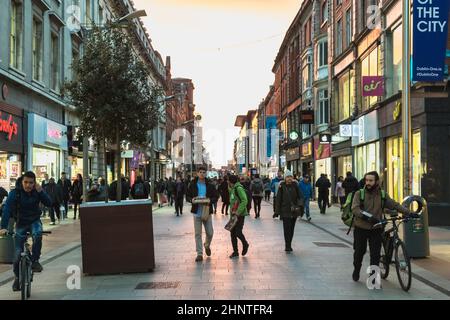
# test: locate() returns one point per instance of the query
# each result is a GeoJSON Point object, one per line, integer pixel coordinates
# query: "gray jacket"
{"type": "Point", "coordinates": [253, 189]}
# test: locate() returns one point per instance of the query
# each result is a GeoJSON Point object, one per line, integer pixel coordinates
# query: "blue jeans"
{"type": "Point", "coordinates": [307, 207]}
{"type": "Point", "coordinates": [21, 236]}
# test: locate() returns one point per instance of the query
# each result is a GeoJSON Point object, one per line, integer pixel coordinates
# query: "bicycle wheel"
{"type": "Point", "coordinates": [403, 266]}
{"type": "Point", "coordinates": [23, 278]}
{"type": "Point", "coordinates": [384, 263]}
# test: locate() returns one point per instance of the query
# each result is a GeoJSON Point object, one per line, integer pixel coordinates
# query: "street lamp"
{"type": "Point", "coordinates": [131, 16]}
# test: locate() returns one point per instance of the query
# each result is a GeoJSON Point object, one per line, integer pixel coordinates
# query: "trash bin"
{"type": "Point", "coordinates": [415, 231]}
{"type": "Point", "coordinates": [7, 249]}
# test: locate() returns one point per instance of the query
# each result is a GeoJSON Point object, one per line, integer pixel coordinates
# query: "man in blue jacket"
{"type": "Point", "coordinates": [22, 204]}
{"type": "Point", "coordinates": [306, 188]}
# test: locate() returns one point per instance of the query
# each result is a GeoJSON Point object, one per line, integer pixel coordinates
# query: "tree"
{"type": "Point", "coordinates": [112, 93]}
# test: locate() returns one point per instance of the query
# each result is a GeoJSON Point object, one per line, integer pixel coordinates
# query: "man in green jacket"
{"type": "Point", "coordinates": [238, 202]}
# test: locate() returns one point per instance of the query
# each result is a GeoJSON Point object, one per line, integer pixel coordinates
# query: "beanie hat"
{"type": "Point", "coordinates": [288, 173]}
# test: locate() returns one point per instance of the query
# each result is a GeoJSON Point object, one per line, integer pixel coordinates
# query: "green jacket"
{"type": "Point", "coordinates": [241, 196]}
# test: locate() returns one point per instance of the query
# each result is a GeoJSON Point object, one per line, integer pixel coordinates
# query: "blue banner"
{"type": "Point", "coordinates": [430, 29]}
{"type": "Point", "coordinates": [271, 124]}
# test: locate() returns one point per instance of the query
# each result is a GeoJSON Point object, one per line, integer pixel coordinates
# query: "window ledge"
{"type": "Point", "coordinates": [55, 92]}
{"type": "Point", "coordinates": [17, 72]}
{"type": "Point", "coordinates": [38, 83]}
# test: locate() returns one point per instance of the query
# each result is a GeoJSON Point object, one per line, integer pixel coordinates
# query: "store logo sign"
{"type": "Point", "coordinates": [8, 126]}
{"type": "Point", "coordinates": [54, 133]}
{"type": "Point", "coordinates": [373, 86]}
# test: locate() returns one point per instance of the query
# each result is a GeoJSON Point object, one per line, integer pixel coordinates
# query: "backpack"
{"type": "Point", "coordinates": [249, 198]}
{"type": "Point", "coordinates": [347, 214]}
{"type": "Point", "coordinates": [139, 189]}
{"type": "Point", "coordinates": [258, 187]}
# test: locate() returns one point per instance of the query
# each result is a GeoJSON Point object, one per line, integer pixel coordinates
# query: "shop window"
{"type": "Point", "coordinates": [367, 159]}
{"type": "Point", "coordinates": [416, 164]}
{"type": "Point", "coordinates": [45, 161]}
{"type": "Point", "coordinates": [370, 66]}
{"type": "Point", "coordinates": [344, 96]}
{"type": "Point", "coordinates": [10, 170]}
{"type": "Point", "coordinates": [344, 164]}
{"type": "Point", "coordinates": [394, 170]}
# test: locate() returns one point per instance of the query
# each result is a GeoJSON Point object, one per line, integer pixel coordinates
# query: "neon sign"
{"type": "Point", "coordinates": [8, 126]}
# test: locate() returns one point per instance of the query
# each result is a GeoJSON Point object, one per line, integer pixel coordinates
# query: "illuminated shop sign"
{"type": "Point", "coordinates": [8, 126]}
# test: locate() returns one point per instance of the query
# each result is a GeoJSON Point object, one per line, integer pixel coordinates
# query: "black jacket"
{"type": "Point", "coordinates": [113, 190]}
{"type": "Point", "coordinates": [77, 191]}
{"type": "Point", "coordinates": [66, 186]}
{"type": "Point", "coordinates": [284, 201]}
{"type": "Point", "coordinates": [323, 184]}
{"type": "Point", "coordinates": [224, 192]}
{"type": "Point", "coordinates": [192, 192]}
{"type": "Point", "coordinates": [180, 189]}
{"type": "Point", "coordinates": [350, 185]}
{"type": "Point", "coordinates": [54, 191]}
{"type": "Point", "coordinates": [145, 189]}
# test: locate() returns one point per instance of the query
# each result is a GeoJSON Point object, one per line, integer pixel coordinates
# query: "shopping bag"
{"type": "Point", "coordinates": [231, 223]}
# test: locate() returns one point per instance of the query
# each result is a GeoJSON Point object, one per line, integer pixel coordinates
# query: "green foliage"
{"type": "Point", "coordinates": [111, 90]}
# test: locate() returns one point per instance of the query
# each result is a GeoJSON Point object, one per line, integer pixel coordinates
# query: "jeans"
{"type": "Point", "coordinates": [198, 233]}
{"type": "Point", "coordinates": [52, 209]}
{"type": "Point", "coordinates": [214, 206]}
{"type": "Point", "coordinates": [179, 205]}
{"type": "Point", "coordinates": [307, 207]}
{"type": "Point", "coordinates": [361, 236]}
{"type": "Point", "coordinates": [66, 208]}
{"type": "Point", "coordinates": [21, 236]}
{"type": "Point", "coordinates": [75, 208]}
{"type": "Point", "coordinates": [236, 233]}
{"type": "Point", "coordinates": [288, 227]}
{"type": "Point", "coordinates": [257, 203]}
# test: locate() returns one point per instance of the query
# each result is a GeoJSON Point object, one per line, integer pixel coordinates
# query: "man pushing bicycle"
{"type": "Point", "coordinates": [22, 204]}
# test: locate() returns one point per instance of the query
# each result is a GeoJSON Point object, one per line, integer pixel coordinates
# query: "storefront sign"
{"type": "Point", "coordinates": [307, 117]}
{"type": "Point", "coordinates": [325, 138]}
{"type": "Point", "coordinates": [321, 151]}
{"type": "Point", "coordinates": [292, 154]}
{"type": "Point", "coordinates": [54, 133]}
{"type": "Point", "coordinates": [397, 111]}
{"type": "Point", "coordinates": [45, 132]}
{"type": "Point", "coordinates": [293, 135]}
{"type": "Point", "coordinates": [345, 130]}
{"type": "Point", "coordinates": [8, 126]}
{"type": "Point", "coordinates": [127, 154]}
{"type": "Point", "coordinates": [306, 150]}
{"type": "Point", "coordinates": [367, 129]}
{"type": "Point", "coordinates": [429, 39]}
{"type": "Point", "coordinates": [372, 86]}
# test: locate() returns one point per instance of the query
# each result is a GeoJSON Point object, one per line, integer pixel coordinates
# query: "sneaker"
{"type": "Point", "coordinates": [288, 249]}
{"type": "Point", "coordinates": [245, 249]}
{"type": "Point", "coordinates": [199, 258]}
{"type": "Point", "coordinates": [52, 223]}
{"type": "Point", "coordinates": [309, 219]}
{"type": "Point", "coordinates": [234, 255]}
{"type": "Point", "coordinates": [16, 285]}
{"type": "Point", "coordinates": [36, 267]}
{"type": "Point", "coordinates": [208, 251]}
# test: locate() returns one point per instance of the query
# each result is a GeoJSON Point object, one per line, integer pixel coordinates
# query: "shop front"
{"type": "Point", "coordinates": [292, 158]}
{"type": "Point", "coordinates": [47, 145]}
{"type": "Point", "coordinates": [11, 145]}
{"type": "Point", "coordinates": [366, 147]}
{"type": "Point", "coordinates": [307, 162]}
{"type": "Point", "coordinates": [75, 151]}
{"type": "Point", "coordinates": [322, 159]}
{"type": "Point", "coordinates": [342, 160]}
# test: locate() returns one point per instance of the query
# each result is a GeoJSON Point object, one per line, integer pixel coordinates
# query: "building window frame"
{"type": "Point", "coordinates": [339, 33]}
{"type": "Point", "coordinates": [348, 27]}
{"type": "Point", "coordinates": [323, 109]}
{"type": "Point", "coordinates": [16, 34]}
{"type": "Point", "coordinates": [37, 47]}
{"type": "Point", "coordinates": [55, 60]}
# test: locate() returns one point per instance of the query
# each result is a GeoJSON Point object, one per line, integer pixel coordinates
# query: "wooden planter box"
{"type": "Point", "coordinates": [117, 237]}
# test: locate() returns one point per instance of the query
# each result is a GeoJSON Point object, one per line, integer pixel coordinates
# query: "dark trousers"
{"type": "Point", "coordinates": [214, 206]}
{"type": "Point", "coordinates": [236, 233]}
{"type": "Point", "coordinates": [52, 209]}
{"type": "Point", "coordinates": [257, 205]}
{"type": "Point", "coordinates": [361, 236]}
{"type": "Point", "coordinates": [76, 205]}
{"type": "Point", "coordinates": [288, 227]}
{"type": "Point", "coordinates": [179, 205]}
{"type": "Point", "coordinates": [274, 201]}
{"type": "Point", "coordinates": [66, 207]}
{"type": "Point", "coordinates": [170, 198]}
{"type": "Point", "coordinates": [226, 206]}
{"type": "Point", "coordinates": [323, 202]}
{"type": "Point", "coordinates": [342, 201]}
{"type": "Point", "coordinates": [267, 195]}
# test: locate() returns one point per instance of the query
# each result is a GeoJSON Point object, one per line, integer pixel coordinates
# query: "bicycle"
{"type": "Point", "coordinates": [393, 247]}
{"type": "Point", "coordinates": [25, 270]}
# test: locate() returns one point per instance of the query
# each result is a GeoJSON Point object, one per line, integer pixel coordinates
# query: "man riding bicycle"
{"type": "Point", "coordinates": [23, 205]}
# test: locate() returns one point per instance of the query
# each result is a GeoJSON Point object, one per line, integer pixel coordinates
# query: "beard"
{"type": "Point", "coordinates": [371, 188]}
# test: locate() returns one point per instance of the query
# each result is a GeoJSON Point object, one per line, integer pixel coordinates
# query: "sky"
{"type": "Point", "coordinates": [227, 47]}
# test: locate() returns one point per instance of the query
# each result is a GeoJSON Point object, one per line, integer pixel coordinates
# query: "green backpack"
{"type": "Point", "coordinates": [347, 214]}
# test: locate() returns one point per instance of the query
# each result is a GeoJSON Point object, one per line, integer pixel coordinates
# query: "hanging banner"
{"type": "Point", "coordinates": [271, 124]}
{"type": "Point", "coordinates": [430, 27]}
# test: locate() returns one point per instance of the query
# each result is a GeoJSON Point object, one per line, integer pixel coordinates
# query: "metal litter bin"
{"type": "Point", "coordinates": [415, 233]}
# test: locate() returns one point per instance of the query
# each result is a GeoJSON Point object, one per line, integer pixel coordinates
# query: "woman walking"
{"type": "Point", "coordinates": [289, 205]}
{"type": "Point", "coordinates": [238, 201]}
{"type": "Point", "coordinates": [77, 194]}
{"type": "Point", "coordinates": [267, 190]}
{"type": "Point", "coordinates": [340, 191]}
{"type": "Point", "coordinates": [225, 195]}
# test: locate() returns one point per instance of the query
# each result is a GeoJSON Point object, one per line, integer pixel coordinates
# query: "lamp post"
{"type": "Point", "coordinates": [406, 99]}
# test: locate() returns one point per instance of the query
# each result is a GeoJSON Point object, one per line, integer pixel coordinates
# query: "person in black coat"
{"type": "Point", "coordinates": [3, 195]}
{"type": "Point", "coordinates": [350, 184]}
{"type": "Point", "coordinates": [324, 185]}
{"type": "Point", "coordinates": [179, 193]}
{"type": "Point", "coordinates": [139, 190]}
{"type": "Point", "coordinates": [124, 190]}
{"type": "Point", "coordinates": [225, 195]}
{"type": "Point", "coordinates": [55, 193]}
{"type": "Point", "coordinates": [77, 194]}
{"type": "Point", "coordinates": [66, 186]}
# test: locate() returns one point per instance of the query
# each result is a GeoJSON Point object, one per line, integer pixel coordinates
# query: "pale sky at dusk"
{"type": "Point", "coordinates": [227, 47]}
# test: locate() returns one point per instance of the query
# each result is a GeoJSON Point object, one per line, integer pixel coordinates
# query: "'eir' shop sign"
{"type": "Point", "coordinates": [429, 39]}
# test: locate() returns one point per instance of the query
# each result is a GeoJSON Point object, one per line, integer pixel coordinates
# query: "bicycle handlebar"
{"type": "Point", "coordinates": [403, 219]}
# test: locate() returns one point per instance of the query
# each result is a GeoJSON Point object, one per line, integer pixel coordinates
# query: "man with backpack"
{"type": "Point", "coordinates": [257, 190]}
{"type": "Point", "coordinates": [139, 189]}
{"type": "Point", "coordinates": [367, 208]}
{"type": "Point", "coordinates": [23, 205]}
{"type": "Point", "coordinates": [324, 185]}
{"type": "Point", "coordinates": [238, 200]}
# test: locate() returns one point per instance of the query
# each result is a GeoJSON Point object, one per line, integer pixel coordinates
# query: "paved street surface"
{"type": "Point", "coordinates": [313, 271]}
